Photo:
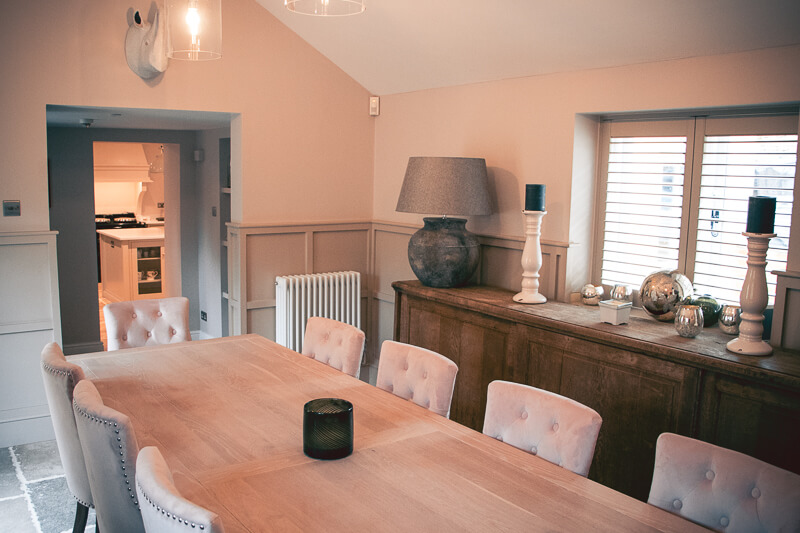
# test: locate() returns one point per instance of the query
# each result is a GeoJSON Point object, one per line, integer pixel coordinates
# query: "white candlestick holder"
{"type": "Point", "coordinates": [531, 260]}
{"type": "Point", "coordinates": [753, 298]}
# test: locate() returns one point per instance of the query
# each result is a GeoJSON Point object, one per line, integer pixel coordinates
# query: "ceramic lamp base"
{"type": "Point", "coordinates": [443, 253]}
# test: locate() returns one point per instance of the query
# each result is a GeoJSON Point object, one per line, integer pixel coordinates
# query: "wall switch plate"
{"type": "Point", "coordinates": [11, 208]}
{"type": "Point", "coordinates": [203, 316]}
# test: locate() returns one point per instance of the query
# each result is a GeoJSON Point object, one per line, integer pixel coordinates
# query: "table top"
{"type": "Point", "coordinates": [228, 416]}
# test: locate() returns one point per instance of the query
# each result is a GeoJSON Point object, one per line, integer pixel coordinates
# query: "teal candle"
{"type": "Point", "coordinates": [761, 214]}
{"type": "Point", "coordinates": [534, 197]}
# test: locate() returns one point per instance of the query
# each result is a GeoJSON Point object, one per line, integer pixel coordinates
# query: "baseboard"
{"type": "Point", "coordinates": [26, 430]}
{"type": "Point", "coordinates": [86, 347]}
{"type": "Point", "coordinates": [199, 335]}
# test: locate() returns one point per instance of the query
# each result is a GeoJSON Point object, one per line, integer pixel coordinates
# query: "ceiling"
{"type": "Point", "coordinates": [151, 119]}
{"type": "Point", "coordinates": [398, 46]}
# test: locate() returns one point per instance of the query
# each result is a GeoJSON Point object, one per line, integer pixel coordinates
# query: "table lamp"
{"type": "Point", "coordinates": [443, 253]}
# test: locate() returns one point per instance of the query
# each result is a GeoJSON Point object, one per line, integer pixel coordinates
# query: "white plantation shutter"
{"type": "Point", "coordinates": [675, 193]}
{"type": "Point", "coordinates": [644, 202]}
{"type": "Point", "coordinates": [734, 168]}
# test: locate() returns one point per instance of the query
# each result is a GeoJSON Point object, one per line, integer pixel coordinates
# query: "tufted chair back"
{"type": "Point", "coordinates": [164, 510]}
{"type": "Point", "coordinates": [147, 322]}
{"type": "Point", "coordinates": [556, 428]}
{"type": "Point", "coordinates": [334, 343]}
{"type": "Point", "coordinates": [722, 489]}
{"type": "Point", "coordinates": [110, 447]}
{"type": "Point", "coordinates": [60, 378]}
{"type": "Point", "coordinates": [422, 376]}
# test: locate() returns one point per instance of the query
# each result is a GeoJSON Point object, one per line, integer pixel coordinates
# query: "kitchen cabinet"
{"type": "Point", "coordinates": [642, 378]}
{"type": "Point", "coordinates": [132, 263]}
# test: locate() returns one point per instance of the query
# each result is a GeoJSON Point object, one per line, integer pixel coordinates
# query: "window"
{"type": "Point", "coordinates": [674, 197]}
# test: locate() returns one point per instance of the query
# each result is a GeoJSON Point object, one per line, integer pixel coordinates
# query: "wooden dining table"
{"type": "Point", "coordinates": [227, 414]}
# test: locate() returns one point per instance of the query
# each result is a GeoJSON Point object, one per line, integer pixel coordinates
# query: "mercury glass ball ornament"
{"type": "Point", "coordinates": [592, 294]}
{"type": "Point", "coordinates": [662, 292]}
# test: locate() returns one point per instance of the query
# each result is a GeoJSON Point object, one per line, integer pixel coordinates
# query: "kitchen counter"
{"type": "Point", "coordinates": [134, 234]}
{"type": "Point", "coordinates": [132, 263]}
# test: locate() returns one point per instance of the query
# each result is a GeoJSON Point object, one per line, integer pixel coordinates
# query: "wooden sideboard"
{"type": "Point", "coordinates": [642, 377]}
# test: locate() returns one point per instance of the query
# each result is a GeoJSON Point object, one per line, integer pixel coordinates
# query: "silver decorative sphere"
{"type": "Point", "coordinates": [661, 293]}
{"type": "Point", "coordinates": [592, 294]}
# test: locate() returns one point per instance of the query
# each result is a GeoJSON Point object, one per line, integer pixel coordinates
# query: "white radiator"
{"type": "Point", "coordinates": [335, 295]}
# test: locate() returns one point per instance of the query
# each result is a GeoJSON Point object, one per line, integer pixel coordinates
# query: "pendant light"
{"type": "Point", "coordinates": [195, 29]}
{"type": "Point", "coordinates": [326, 8]}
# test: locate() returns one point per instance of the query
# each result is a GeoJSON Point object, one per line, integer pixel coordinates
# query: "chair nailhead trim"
{"type": "Point", "coordinates": [99, 420]}
{"type": "Point", "coordinates": [58, 372]}
{"type": "Point", "coordinates": [164, 512]}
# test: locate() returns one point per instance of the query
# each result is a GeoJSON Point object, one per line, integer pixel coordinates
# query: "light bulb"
{"type": "Point", "coordinates": [193, 20]}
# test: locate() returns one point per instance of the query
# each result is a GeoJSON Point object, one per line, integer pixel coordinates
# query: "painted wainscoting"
{"type": "Point", "coordinates": [30, 275]}
{"type": "Point", "coordinates": [787, 311]}
{"type": "Point", "coordinates": [257, 254]}
{"type": "Point", "coordinates": [379, 250]}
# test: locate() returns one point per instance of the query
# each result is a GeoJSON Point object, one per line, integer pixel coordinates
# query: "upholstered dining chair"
{"type": "Point", "coordinates": [722, 489]}
{"type": "Point", "coordinates": [147, 322]}
{"type": "Point", "coordinates": [164, 509]}
{"type": "Point", "coordinates": [413, 373]}
{"type": "Point", "coordinates": [551, 426]}
{"type": "Point", "coordinates": [60, 377]}
{"type": "Point", "coordinates": [334, 343]}
{"type": "Point", "coordinates": [110, 448]}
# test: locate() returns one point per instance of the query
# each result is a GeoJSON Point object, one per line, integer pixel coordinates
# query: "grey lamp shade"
{"type": "Point", "coordinates": [445, 186]}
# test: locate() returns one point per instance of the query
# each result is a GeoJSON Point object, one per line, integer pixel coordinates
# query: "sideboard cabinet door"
{"type": "Point", "coordinates": [638, 396]}
{"type": "Point", "coordinates": [754, 419]}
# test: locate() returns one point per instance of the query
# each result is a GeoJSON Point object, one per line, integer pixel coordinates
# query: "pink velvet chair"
{"type": "Point", "coordinates": [334, 343]}
{"type": "Point", "coordinates": [110, 448]}
{"type": "Point", "coordinates": [422, 376]}
{"type": "Point", "coordinates": [553, 427]}
{"type": "Point", "coordinates": [147, 322]}
{"type": "Point", "coordinates": [722, 489]}
{"type": "Point", "coordinates": [164, 509]}
{"type": "Point", "coordinates": [60, 378]}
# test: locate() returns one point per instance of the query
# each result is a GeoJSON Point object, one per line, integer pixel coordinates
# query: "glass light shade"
{"type": "Point", "coordinates": [326, 8]}
{"type": "Point", "coordinates": [194, 29]}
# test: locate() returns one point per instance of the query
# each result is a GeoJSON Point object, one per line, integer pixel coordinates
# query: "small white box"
{"type": "Point", "coordinates": [615, 312]}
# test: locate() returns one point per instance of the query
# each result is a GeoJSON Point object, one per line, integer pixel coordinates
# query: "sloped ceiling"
{"type": "Point", "coordinates": [398, 46]}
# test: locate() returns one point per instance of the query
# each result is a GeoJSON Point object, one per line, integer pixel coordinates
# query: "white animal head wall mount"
{"type": "Point", "coordinates": [146, 46]}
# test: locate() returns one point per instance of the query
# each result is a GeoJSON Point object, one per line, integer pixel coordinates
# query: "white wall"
{"type": "Point", "coordinates": [305, 135]}
{"type": "Point", "coordinates": [538, 130]}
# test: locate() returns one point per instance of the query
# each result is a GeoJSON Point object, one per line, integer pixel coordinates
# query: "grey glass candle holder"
{"type": "Point", "coordinates": [328, 428]}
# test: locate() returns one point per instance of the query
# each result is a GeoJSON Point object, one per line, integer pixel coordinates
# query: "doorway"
{"type": "Point", "coordinates": [132, 182]}
{"type": "Point", "coordinates": [72, 198]}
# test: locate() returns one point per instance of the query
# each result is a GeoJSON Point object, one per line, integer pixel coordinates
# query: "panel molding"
{"type": "Point", "coordinates": [31, 256]}
{"type": "Point", "coordinates": [385, 259]}
{"type": "Point", "coordinates": [787, 308]}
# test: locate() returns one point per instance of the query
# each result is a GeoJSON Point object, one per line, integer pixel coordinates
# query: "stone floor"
{"type": "Point", "coordinates": [33, 491]}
